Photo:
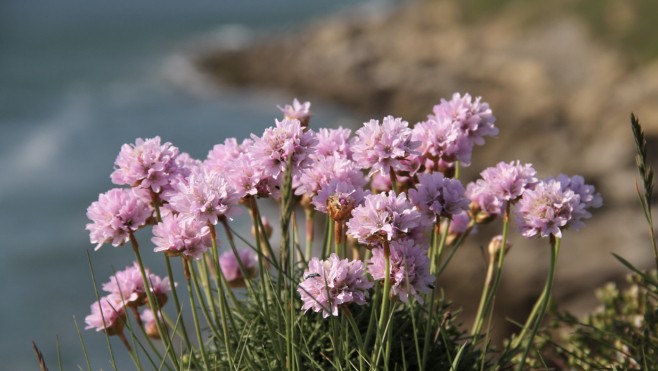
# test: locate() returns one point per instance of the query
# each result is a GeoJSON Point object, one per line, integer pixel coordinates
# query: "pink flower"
{"type": "Point", "coordinates": [385, 146]}
{"type": "Point", "coordinates": [106, 315]}
{"type": "Point", "coordinates": [287, 142]}
{"type": "Point", "coordinates": [178, 235]}
{"type": "Point", "coordinates": [150, 326]}
{"type": "Point", "coordinates": [325, 169]}
{"type": "Point", "coordinates": [146, 164]}
{"type": "Point", "coordinates": [384, 217]}
{"type": "Point", "coordinates": [333, 283]}
{"type": "Point", "coordinates": [505, 182]}
{"type": "Point", "coordinates": [297, 111]}
{"type": "Point", "coordinates": [116, 214]}
{"type": "Point", "coordinates": [546, 210]}
{"type": "Point", "coordinates": [230, 266]}
{"type": "Point", "coordinates": [437, 196]}
{"type": "Point", "coordinates": [222, 155]}
{"type": "Point", "coordinates": [127, 287]}
{"type": "Point", "coordinates": [206, 197]}
{"type": "Point", "coordinates": [338, 198]}
{"type": "Point", "coordinates": [334, 142]}
{"type": "Point", "coordinates": [410, 269]}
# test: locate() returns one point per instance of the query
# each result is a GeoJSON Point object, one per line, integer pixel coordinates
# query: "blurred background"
{"type": "Point", "coordinates": [79, 79]}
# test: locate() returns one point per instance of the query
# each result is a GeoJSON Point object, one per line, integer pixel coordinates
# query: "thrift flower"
{"type": "Point", "coordinates": [285, 142]}
{"type": "Point", "coordinates": [334, 142]}
{"type": "Point", "coordinates": [338, 199]}
{"type": "Point", "coordinates": [332, 283]}
{"type": "Point", "coordinates": [106, 315]}
{"type": "Point", "coordinates": [150, 327]}
{"type": "Point", "coordinates": [205, 197]}
{"type": "Point", "coordinates": [297, 111]}
{"type": "Point", "coordinates": [505, 182]}
{"type": "Point", "coordinates": [385, 146]}
{"type": "Point", "coordinates": [325, 169]}
{"type": "Point", "coordinates": [410, 269]}
{"type": "Point", "coordinates": [384, 217]}
{"type": "Point", "coordinates": [178, 235]}
{"type": "Point", "coordinates": [230, 266]}
{"type": "Point", "coordinates": [145, 164]}
{"type": "Point", "coordinates": [546, 210]}
{"type": "Point", "coordinates": [437, 196]}
{"type": "Point", "coordinates": [115, 215]}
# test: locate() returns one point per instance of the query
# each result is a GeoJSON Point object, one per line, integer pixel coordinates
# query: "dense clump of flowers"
{"type": "Point", "coordinates": [333, 283]}
{"type": "Point", "coordinates": [230, 266]}
{"type": "Point", "coordinates": [117, 213]}
{"type": "Point", "coordinates": [177, 235]}
{"type": "Point", "coordinates": [106, 315]}
{"type": "Point", "coordinates": [437, 196]}
{"type": "Point", "coordinates": [384, 217]}
{"type": "Point", "coordinates": [505, 182]}
{"type": "Point", "coordinates": [383, 147]}
{"type": "Point", "coordinates": [410, 269]}
{"type": "Point", "coordinates": [553, 206]}
{"type": "Point", "coordinates": [206, 196]}
{"type": "Point", "coordinates": [297, 111]}
{"type": "Point", "coordinates": [146, 164]}
{"type": "Point", "coordinates": [286, 142]}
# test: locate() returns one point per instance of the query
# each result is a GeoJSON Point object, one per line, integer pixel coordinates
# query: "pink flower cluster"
{"type": "Point", "coordinates": [437, 196]}
{"type": "Point", "coordinates": [506, 182]}
{"type": "Point", "coordinates": [554, 205]}
{"type": "Point", "coordinates": [333, 283]}
{"type": "Point", "coordinates": [146, 164]}
{"type": "Point", "coordinates": [230, 266]}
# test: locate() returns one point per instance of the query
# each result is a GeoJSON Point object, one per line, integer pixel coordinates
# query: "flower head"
{"type": "Point", "coordinates": [150, 326]}
{"type": "Point", "coordinates": [437, 196]}
{"type": "Point", "coordinates": [546, 210]}
{"type": "Point", "coordinates": [126, 287]}
{"type": "Point", "coordinates": [205, 197]}
{"type": "Point", "coordinates": [506, 182]}
{"type": "Point", "coordinates": [117, 213]}
{"type": "Point", "coordinates": [297, 111]}
{"type": "Point", "coordinates": [334, 142]}
{"type": "Point", "coordinates": [385, 146]}
{"type": "Point", "coordinates": [106, 315]}
{"type": "Point", "coordinates": [384, 217]}
{"type": "Point", "coordinates": [178, 235]}
{"type": "Point", "coordinates": [325, 169]}
{"type": "Point", "coordinates": [146, 164]}
{"type": "Point", "coordinates": [410, 269]}
{"type": "Point", "coordinates": [332, 283]}
{"type": "Point", "coordinates": [230, 266]}
{"type": "Point", "coordinates": [338, 199]}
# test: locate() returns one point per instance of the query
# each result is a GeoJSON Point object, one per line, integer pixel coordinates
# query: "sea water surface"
{"type": "Point", "coordinates": [78, 79]}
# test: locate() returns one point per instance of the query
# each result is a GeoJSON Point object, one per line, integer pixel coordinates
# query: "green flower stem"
{"type": "Point", "coordinates": [170, 274]}
{"type": "Point", "coordinates": [430, 313]}
{"type": "Point", "coordinates": [154, 305]}
{"type": "Point", "coordinates": [479, 317]}
{"type": "Point", "coordinates": [357, 336]}
{"type": "Point", "coordinates": [383, 317]}
{"type": "Point", "coordinates": [308, 212]}
{"type": "Point", "coordinates": [544, 299]}
{"type": "Point", "coordinates": [188, 279]}
{"type": "Point", "coordinates": [455, 245]}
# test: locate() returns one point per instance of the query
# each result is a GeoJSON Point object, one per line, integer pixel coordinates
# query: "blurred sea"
{"type": "Point", "coordinates": [77, 80]}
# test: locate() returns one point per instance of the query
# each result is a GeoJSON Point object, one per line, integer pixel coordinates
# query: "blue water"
{"type": "Point", "coordinates": [78, 79]}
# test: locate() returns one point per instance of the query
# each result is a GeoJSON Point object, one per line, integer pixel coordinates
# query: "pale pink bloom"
{"type": "Point", "coordinates": [588, 197]}
{"type": "Point", "coordinates": [150, 325]}
{"type": "Point", "coordinates": [126, 287]}
{"type": "Point", "coordinates": [334, 142]}
{"type": "Point", "coordinates": [230, 266]}
{"type": "Point", "coordinates": [506, 182]}
{"type": "Point", "coordinates": [180, 235]}
{"type": "Point", "coordinates": [340, 196]}
{"type": "Point", "coordinates": [546, 210]}
{"type": "Point", "coordinates": [333, 283]}
{"type": "Point", "coordinates": [297, 111]}
{"type": "Point", "coordinates": [106, 315]}
{"type": "Point", "coordinates": [116, 214]}
{"type": "Point", "coordinates": [409, 268]}
{"type": "Point", "coordinates": [325, 169]}
{"type": "Point", "coordinates": [205, 197]}
{"type": "Point", "coordinates": [459, 223]}
{"type": "Point", "coordinates": [222, 155]}
{"type": "Point", "coordinates": [145, 164]}
{"type": "Point", "coordinates": [385, 217]}
{"type": "Point", "coordinates": [437, 196]}
{"type": "Point", "coordinates": [286, 142]}
{"type": "Point", "coordinates": [385, 146]}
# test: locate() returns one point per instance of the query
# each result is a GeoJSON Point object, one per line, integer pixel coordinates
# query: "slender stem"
{"type": "Point", "coordinates": [383, 317]}
{"type": "Point", "coordinates": [308, 212]}
{"type": "Point", "coordinates": [545, 299]}
{"type": "Point", "coordinates": [479, 317]}
{"type": "Point", "coordinates": [394, 183]}
{"type": "Point", "coordinates": [199, 336]}
{"type": "Point", "coordinates": [153, 304]}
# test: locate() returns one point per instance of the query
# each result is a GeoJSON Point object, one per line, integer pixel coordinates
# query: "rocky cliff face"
{"type": "Point", "coordinates": [562, 103]}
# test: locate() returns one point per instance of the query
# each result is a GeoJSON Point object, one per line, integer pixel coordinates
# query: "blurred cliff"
{"type": "Point", "coordinates": [561, 77]}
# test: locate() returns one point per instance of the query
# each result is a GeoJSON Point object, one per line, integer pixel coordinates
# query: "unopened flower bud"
{"type": "Point", "coordinates": [495, 246]}
{"type": "Point", "coordinates": [150, 327]}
